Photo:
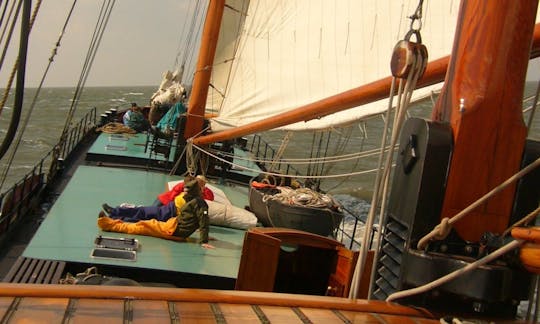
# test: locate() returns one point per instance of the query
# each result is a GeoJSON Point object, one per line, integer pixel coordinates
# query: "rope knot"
{"type": "Point", "coordinates": [442, 230]}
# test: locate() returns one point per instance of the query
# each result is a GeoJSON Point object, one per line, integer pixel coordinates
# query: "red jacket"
{"type": "Point", "coordinates": [169, 196]}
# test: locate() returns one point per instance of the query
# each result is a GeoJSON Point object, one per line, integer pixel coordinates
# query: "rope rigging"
{"type": "Point", "coordinates": [17, 108]}
{"type": "Point", "coordinates": [474, 265]}
{"type": "Point", "coordinates": [182, 58]}
{"type": "Point", "coordinates": [13, 16]}
{"type": "Point", "coordinates": [293, 161]}
{"type": "Point", "coordinates": [326, 159]}
{"type": "Point", "coordinates": [408, 64]}
{"type": "Point", "coordinates": [441, 231]}
{"type": "Point", "coordinates": [38, 90]}
{"type": "Point", "coordinates": [27, 23]}
{"type": "Point", "coordinates": [191, 162]}
{"type": "Point", "coordinates": [101, 24]}
{"type": "Point", "coordinates": [2, 18]}
{"type": "Point", "coordinates": [280, 151]}
{"type": "Point", "coordinates": [533, 108]}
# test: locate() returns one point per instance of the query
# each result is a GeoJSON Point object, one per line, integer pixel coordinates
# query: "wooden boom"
{"type": "Point", "coordinates": [435, 73]}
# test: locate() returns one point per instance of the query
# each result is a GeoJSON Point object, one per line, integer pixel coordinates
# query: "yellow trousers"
{"type": "Point", "coordinates": [150, 227]}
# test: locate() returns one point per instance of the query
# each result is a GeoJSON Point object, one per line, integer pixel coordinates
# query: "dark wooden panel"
{"type": "Point", "coordinates": [29, 270]}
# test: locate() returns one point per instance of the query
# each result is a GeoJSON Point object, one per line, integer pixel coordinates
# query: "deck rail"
{"type": "Point", "coordinates": [77, 132]}
{"type": "Point", "coordinates": [349, 231]}
{"type": "Point", "coordinates": [18, 200]}
{"type": "Point", "coordinates": [262, 150]}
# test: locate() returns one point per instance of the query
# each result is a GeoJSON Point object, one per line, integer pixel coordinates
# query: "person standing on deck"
{"type": "Point", "coordinates": [179, 225]}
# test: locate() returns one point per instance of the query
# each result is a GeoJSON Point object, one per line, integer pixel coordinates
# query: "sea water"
{"type": "Point", "coordinates": [50, 109]}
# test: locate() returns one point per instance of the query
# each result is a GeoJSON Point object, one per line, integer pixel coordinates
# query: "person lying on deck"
{"type": "Point", "coordinates": [169, 195]}
{"type": "Point", "coordinates": [174, 221]}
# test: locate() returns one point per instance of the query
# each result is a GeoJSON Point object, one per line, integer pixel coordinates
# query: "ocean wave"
{"type": "Point", "coordinates": [118, 100]}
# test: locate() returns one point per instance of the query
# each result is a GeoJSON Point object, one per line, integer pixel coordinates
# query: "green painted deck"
{"type": "Point", "coordinates": [69, 230]}
{"type": "Point", "coordinates": [131, 149]}
{"type": "Point", "coordinates": [126, 148]}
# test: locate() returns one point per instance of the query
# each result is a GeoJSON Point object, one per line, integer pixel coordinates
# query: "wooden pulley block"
{"type": "Point", "coordinates": [423, 53]}
{"type": "Point", "coordinates": [402, 59]}
{"type": "Point", "coordinates": [405, 53]}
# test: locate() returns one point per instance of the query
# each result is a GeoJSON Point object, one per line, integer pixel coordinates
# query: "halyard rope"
{"type": "Point", "coordinates": [488, 258]}
{"type": "Point", "coordinates": [436, 233]}
{"type": "Point", "coordinates": [405, 90]}
{"type": "Point", "coordinates": [471, 266]}
{"type": "Point", "coordinates": [241, 167]}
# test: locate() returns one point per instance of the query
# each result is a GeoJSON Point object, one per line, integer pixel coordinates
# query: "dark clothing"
{"type": "Point", "coordinates": [135, 214]}
{"type": "Point", "coordinates": [136, 121]}
{"type": "Point", "coordinates": [193, 216]}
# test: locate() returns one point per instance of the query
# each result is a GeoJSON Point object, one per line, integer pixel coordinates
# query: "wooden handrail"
{"type": "Point", "coordinates": [206, 295]}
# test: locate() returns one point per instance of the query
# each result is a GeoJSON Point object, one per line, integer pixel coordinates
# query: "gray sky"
{"type": "Point", "coordinates": [141, 42]}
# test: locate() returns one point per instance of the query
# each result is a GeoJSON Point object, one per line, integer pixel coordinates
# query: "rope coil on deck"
{"type": "Point", "coordinates": [116, 128]}
{"type": "Point", "coordinates": [303, 197]}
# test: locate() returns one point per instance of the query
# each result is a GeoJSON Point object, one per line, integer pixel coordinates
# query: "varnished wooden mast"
{"type": "Point", "coordinates": [203, 72]}
{"type": "Point", "coordinates": [482, 101]}
{"type": "Point", "coordinates": [377, 90]}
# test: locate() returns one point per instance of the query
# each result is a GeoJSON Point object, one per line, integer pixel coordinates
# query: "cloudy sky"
{"type": "Point", "coordinates": [142, 40]}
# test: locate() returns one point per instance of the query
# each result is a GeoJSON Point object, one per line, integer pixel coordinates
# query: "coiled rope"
{"type": "Point", "coordinates": [302, 197]}
{"type": "Point", "coordinates": [116, 128]}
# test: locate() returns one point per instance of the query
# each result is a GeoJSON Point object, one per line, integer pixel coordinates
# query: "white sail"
{"type": "Point", "coordinates": [286, 54]}
{"type": "Point", "coordinates": [170, 91]}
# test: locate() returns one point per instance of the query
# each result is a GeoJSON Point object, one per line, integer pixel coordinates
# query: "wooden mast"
{"type": "Point", "coordinates": [203, 72]}
{"type": "Point", "coordinates": [482, 101]}
{"type": "Point", "coordinates": [435, 73]}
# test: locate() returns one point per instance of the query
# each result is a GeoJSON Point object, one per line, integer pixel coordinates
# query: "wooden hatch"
{"type": "Point", "coordinates": [292, 261]}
